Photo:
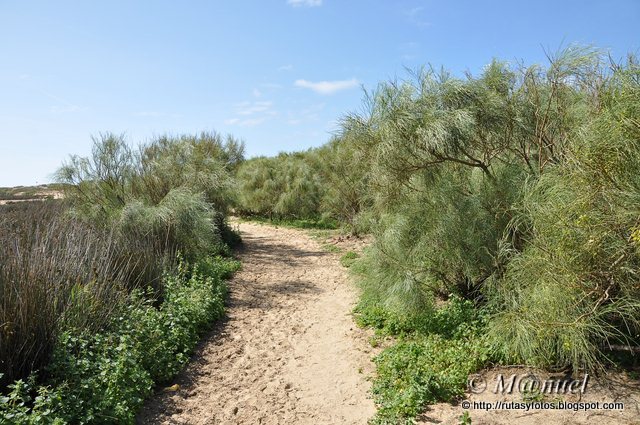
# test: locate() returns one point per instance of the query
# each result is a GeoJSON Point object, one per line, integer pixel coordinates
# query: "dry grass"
{"type": "Point", "coordinates": [55, 273]}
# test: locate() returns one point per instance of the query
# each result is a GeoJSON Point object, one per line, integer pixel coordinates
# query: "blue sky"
{"type": "Point", "coordinates": [276, 73]}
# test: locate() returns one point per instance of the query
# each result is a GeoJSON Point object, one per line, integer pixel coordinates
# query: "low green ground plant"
{"type": "Point", "coordinates": [104, 377]}
{"type": "Point", "coordinates": [348, 258]}
{"type": "Point", "coordinates": [433, 354]}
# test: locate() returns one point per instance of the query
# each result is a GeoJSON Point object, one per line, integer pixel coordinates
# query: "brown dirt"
{"type": "Point", "coordinates": [288, 353]}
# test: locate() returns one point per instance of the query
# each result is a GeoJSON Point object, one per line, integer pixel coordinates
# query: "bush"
{"type": "Point", "coordinates": [285, 187]}
{"type": "Point", "coordinates": [318, 188]}
{"type": "Point", "coordinates": [104, 377]}
{"type": "Point", "coordinates": [572, 291]}
{"type": "Point", "coordinates": [516, 190]}
{"type": "Point", "coordinates": [182, 221]}
{"type": "Point", "coordinates": [174, 193]}
{"type": "Point", "coordinates": [203, 163]}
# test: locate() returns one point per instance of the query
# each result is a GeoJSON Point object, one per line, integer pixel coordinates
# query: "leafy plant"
{"type": "Point", "coordinates": [348, 258]}
{"type": "Point", "coordinates": [465, 418]}
{"type": "Point", "coordinates": [104, 377]}
{"type": "Point", "coordinates": [431, 361]}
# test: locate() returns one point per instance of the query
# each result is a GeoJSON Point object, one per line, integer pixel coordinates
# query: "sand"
{"type": "Point", "coordinates": [288, 353]}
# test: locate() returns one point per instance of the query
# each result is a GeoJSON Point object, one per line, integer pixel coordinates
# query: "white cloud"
{"type": "Point", "coordinates": [287, 67]}
{"type": "Point", "coordinates": [257, 93]}
{"type": "Point", "coordinates": [416, 17]}
{"type": "Point", "coordinates": [154, 114]}
{"type": "Point", "coordinates": [307, 3]}
{"type": "Point", "coordinates": [309, 114]}
{"type": "Point", "coordinates": [327, 87]}
{"type": "Point", "coordinates": [252, 108]}
{"type": "Point", "coordinates": [409, 51]}
{"type": "Point", "coordinates": [249, 122]}
{"type": "Point", "coordinates": [62, 105]}
{"type": "Point", "coordinates": [250, 114]}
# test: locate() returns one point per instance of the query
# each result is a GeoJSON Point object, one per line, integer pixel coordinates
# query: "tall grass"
{"type": "Point", "coordinates": [58, 273]}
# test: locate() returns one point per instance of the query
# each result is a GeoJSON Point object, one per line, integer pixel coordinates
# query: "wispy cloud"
{"type": "Point", "coordinates": [65, 109]}
{"type": "Point", "coordinates": [308, 114]}
{"type": "Point", "coordinates": [252, 113]}
{"type": "Point", "coordinates": [416, 17]}
{"type": "Point", "coordinates": [287, 67]}
{"type": "Point", "coordinates": [252, 108]}
{"type": "Point", "coordinates": [63, 105]}
{"type": "Point", "coordinates": [327, 87]}
{"type": "Point", "coordinates": [307, 3]}
{"type": "Point", "coordinates": [409, 51]}
{"type": "Point", "coordinates": [249, 122]}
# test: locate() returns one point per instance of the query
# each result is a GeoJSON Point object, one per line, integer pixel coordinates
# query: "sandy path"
{"type": "Point", "coordinates": [288, 353]}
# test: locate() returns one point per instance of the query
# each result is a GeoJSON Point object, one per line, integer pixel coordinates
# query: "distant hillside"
{"type": "Point", "coordinates": [29, 193]}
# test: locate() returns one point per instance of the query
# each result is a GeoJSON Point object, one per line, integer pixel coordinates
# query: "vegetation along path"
{"type": "Point", "coordinates": [288, 352]}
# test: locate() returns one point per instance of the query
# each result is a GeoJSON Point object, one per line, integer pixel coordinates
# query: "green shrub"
{"type": "Point", "coordinates": [572, 291]}
{"type": "Point", "coordinates": [516, 190]}
{"type": "Point", "coordinates": [104, 377]}
{"type": "Point", "coordinates": [182, 221]}
{"type": "Point", "coordinates": [284, 187]}
{"type": "Point", "coordinates": [203, 163]}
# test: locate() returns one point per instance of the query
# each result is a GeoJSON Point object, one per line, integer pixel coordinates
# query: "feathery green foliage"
{"type": "Point", "coordinates": [284, 187]}
{"type": "Point", "coordinates": [92, 296]}
{"type": "Point", "coordinates": [573, 289]}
